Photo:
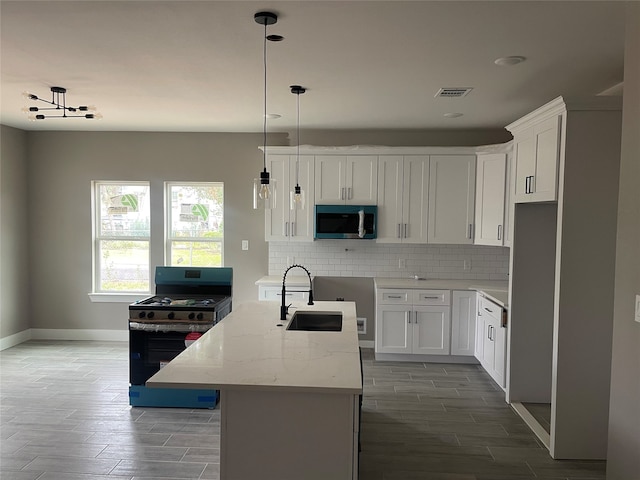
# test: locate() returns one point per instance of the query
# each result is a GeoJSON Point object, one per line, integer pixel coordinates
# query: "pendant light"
{"type": "Point", "coordinates": [264, 188]}
{"type": "Point", "coordinates": [297, 195]}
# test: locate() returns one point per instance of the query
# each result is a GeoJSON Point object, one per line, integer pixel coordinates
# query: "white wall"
{"type": "Point", "coordinates": [623, 460]}
{"type": "Point", "coordinates": [14, 259]}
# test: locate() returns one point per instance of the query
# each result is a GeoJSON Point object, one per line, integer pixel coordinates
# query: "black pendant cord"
{"type": "Point", "coordinates": [298, 150]}
{"type": "Point", "coordinates": [264, 120]}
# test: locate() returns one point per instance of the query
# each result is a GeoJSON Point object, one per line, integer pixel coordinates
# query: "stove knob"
{"type": "Point", "coordinates": [171, 315]}
{"type": "Point", "coordinates": [150, 315]}
{"type": "Point", "coordinates": [200, 316]}
{"type": "Point", "coordinates": [142, 314]}
{"type": "Point", "coordinates": [192, 316]}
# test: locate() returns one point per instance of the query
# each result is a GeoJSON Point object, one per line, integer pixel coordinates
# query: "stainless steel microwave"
{"type": "Point", "coordinates": [345, 221]}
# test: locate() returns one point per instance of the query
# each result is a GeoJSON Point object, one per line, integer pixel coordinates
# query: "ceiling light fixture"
{"type": "Point", "coordinates": [59, 102]}
{"type": "Point", "coordinates": [264, 188]}
{"type": "Point", "coordinates": [509, 61]}
{"type": "Point", "coordinates": [297, 195]}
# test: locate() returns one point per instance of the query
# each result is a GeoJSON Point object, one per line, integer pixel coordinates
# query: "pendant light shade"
{"type": "Point", "coordinates": [297, 194]}
{"type": "Point", "coordinates": [264, 187]}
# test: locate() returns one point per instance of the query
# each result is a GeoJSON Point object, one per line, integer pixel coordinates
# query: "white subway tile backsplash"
{"type": "Point", "coordinates": [363, 258]}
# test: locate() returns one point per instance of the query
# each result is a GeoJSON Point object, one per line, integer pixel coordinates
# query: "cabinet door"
{"type": "Point", "coordinates": [329, 179]}
{"type": "Point", "coordinates": [390, 191]}
{"type": "Point", "coordinates": [431, 330]}
{"type": "Point", "coordinates": [451, 198]}
{"type": "Point", "coordinates": [524, 164]}
{"type": "Point", "coordinates": [415, 199]}
{"type": "Point", "coordinates": [509, 204]}
{"type": "Point", "coordinates": [277, 226]}
{"type": "Point", "coordinates": [500, 356]}
{"type": "Point", "coordinates": [463, 323]}
{"type": "Point", "coordinates": [393, 329]}
{"type": "Point", "coordinates": [361, 179]}
{"type": "Point", "coordinates": [301, 221]}
{"type": "Point", "coordinates": [490, 197]}
{"type": "Point", "coordinates": [545, 181]}
{"type": "Point", "coordinates": [478, 351]}
{"type": "Point", "coordinates": [489, 346]}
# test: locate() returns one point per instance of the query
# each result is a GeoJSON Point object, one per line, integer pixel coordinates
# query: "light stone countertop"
{"type": "Point", "coordinates": [492, 289]}
{"type": "Point", "coordinates": [247, 350]}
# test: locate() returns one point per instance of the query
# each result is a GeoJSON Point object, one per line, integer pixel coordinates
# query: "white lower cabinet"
{"type": "Point", "coordinates": [413, 321]}
{"type": "Point", "coordinates": [463, 322]}
{"type": "Point", "coordinates": [269, 293]}
{"type": "Point", "coordinates": [491, 339]}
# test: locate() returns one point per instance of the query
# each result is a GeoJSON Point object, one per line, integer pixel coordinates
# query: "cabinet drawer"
{"type": "Point", "coordinates": [394, 297]}
{"type": "Point", "coordinates": [432, 297]}
{"type": "Point", "coordinates": [487, 307]}
{"type": "Point", "coordinates": [275, 293]}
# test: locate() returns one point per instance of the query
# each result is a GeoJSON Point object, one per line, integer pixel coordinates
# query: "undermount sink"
{"type": "Point", "coordinates": [315, 321]}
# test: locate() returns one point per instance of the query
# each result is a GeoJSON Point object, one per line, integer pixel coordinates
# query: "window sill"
{"type": "Point", "coordinates": [117, 297]}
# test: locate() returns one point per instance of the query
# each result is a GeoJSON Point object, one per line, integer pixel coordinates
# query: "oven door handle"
{"type": "Point", "coordinates": [169, 327]}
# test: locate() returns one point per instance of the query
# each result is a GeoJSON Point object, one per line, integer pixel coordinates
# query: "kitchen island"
{"type": "Point", "coordinates": [289, 400]}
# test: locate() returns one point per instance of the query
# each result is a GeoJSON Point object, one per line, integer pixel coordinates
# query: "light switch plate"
{"type": "Point", "coordinates": [638, 308]}
{"type": "Point", "coordinates": [245, 244]}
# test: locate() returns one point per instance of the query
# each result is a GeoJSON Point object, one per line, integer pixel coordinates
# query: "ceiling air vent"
{"type": "Point", "coordinates": [453, 92]}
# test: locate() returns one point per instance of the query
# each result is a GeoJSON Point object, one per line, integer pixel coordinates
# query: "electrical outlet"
{"type": "Point", "coordinates": [291, 261]}
{"type": "Point", "coordinates": [638, 308]}
{"type": "Point", "coordinates": [245, 244]}
{"type": "Point", "coordinates": [467, 264]}
{"type": "Point", "coordinates": [402, 263]}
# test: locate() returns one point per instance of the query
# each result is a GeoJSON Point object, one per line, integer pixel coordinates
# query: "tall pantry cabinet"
{"type": "Point", "coordinates": [563, 268]}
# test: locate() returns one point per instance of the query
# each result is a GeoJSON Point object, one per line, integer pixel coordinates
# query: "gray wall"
{"type": "Point", "coordinates": [623, 461]}
{"type": "Point", "coordinates": [14, 259]}
{"type": "Point", "coordinates": [62, 166]}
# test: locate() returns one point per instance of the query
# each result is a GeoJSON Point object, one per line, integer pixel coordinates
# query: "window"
{"type": "Point", "coordinates": [195, 224]}
{"type": "Point", "coordinates": [121, 237]}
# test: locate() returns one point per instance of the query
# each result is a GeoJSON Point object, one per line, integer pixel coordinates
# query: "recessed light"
{"type": "Point", "coordinates": [273, 116]}
{"type": "Point", "coordinates": [509, 61]}
{"type": "Point", "coordinates": [453, 114]}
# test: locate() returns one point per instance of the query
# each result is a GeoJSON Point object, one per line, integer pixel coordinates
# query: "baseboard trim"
{"type": "Point", "coordinates": [79, 334]}
{"type": "Point", "coordinates": [412, 357]}
{"type": "Point", "coordinates": [15, 339]}
{"type": "Point", "coordinates": [532, 423]}
{"type": "Point", "coordinates": [366, 343]}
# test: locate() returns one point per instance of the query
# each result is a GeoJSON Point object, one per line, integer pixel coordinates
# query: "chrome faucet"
{"type": "Point", "coordinates": [284, 309]}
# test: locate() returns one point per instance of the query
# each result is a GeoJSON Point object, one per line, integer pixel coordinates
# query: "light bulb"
{"type": "Point", "coordinates": [32, 118]}
{"type": "Point", "coordinates": [265, 192]}
{"type": "Point", "coordinates": [30, 96]}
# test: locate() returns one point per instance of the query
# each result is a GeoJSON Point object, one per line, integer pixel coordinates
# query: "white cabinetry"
{"type": "Point", "coordinates": [536, 159]}
{"type": "Point", "coordinates": [403, 189]}
{"type": "Point", "coordinates": [490, 199]}
{"type": "Point", "coordinates": [269, 293]}
{"type": "Point", "coordinates": [491, 339]}
{"type": "Point", "coordinates": [413, 321]}
{"type": "Point", "coordinates": [451, 198]}
{"type": "Point", "coordinates": [282, 223]}
{"type": "Point", "coordinates": [346, 179]}
{"type": "Point", "coordinates": [463, 322]}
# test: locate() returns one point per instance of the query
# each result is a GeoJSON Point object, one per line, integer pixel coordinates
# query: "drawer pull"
{"type": "Point", "coordinates": [432, 298]}
{"type": "Point", "coordinates": [488, 310]}
{"type": "Point", "coordinates": [394, 296]}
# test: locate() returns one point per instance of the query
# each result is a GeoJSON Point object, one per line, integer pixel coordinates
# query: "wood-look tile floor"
{"type": "Point", "coordinates": [64, 415]}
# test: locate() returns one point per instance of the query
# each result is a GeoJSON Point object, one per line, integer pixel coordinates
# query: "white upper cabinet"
{"type": "Point", "coordinates": [346, 179]}
{"type": "Point", "coordinates": [403, 188]}
{"type": "Point", "coordinates": [536, 158]}
{"type": "Point", "coordinates": [282, 223]}
{"type": "Point", "coordinates": [490, 199]}
{"type": "Point", "coordinates": [509, 205]}
{"type": "Point", "coordinates": [452, 180]}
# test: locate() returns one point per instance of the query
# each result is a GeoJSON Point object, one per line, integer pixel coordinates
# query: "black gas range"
{"type": "Point", "coordinates": [188, 302]}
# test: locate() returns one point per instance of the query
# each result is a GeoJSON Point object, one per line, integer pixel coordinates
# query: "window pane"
{"type": "Point", "coordinates": [124, 266]}
{"type": "Point", "coordinates": [196, 211]}
{"type": "Point", "coordinates": [196, 254]}
{"type": "Point", "coordinates": [124, 210]}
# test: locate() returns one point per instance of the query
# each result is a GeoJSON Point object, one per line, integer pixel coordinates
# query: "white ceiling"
{"type": "Point", "coordinates": [197, 65]}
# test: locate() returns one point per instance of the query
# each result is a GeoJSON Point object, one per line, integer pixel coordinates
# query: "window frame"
{"type": "Point", "coordinates": [97, 238]}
